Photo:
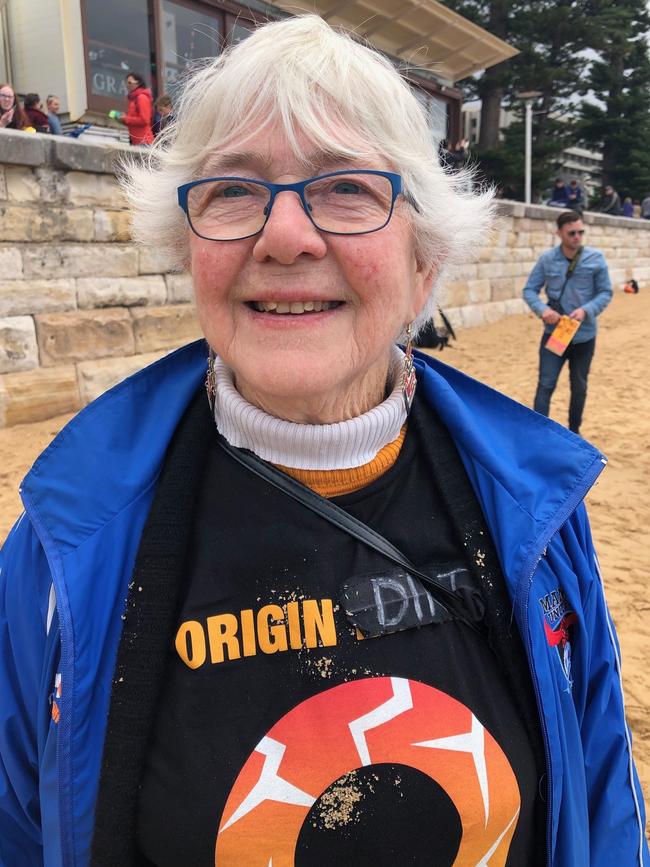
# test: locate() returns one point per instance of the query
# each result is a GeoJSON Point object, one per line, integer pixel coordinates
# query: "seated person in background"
{"type": "Point", "coordinates": [35, 113]}
{"type": "Point", "coordinates": [559, 195]}
{"type": "Point", "coordinates": [53, 108]}
{"type": "Point", "coordinates": [12, 114]}
{"type": "Point", "coordinates": [610, 202]}
{"type": "Point", "coordinates": [165, 113]}
{"type": "Point", "coordinates": [628, 207]}
{"type": "Point", "coordinates": [575, 197]}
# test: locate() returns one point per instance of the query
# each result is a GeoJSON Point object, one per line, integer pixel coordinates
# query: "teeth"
{"type": "Point", "coordinates": [294, 307]}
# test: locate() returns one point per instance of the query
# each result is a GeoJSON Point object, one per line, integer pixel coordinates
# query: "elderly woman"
{"type": "Point", "coordinates": [346, 609]}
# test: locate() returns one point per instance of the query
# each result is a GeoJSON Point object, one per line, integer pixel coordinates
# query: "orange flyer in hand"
{"type": "Point", "coordinates": [562, 335]}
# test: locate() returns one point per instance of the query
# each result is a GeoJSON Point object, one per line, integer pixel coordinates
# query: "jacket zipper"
{"type": "Point", "coordinates": [542, 719]}
{"type": "Point", "coordinates": [64, 729]}
{"type": "Point", "coordinates": [530, 567]}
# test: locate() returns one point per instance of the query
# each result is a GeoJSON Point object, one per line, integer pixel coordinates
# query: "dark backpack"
{"type": "Point", "coordinates": [435, 337]}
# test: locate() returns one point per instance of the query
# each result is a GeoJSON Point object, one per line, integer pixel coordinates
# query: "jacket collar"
{"type": "Point", "coordinates": [134, 94]}
{"type": "Point", "coordinates": [528, 472]}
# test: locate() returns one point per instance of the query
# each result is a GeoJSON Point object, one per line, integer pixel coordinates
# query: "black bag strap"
{"type": "Point", "coordinates": [572, 266]}
{"type": "Point", "coordinates": [344, 521]}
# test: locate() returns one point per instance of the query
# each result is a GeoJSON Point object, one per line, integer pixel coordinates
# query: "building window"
{"type": "Point", "coordinates": [187, 34]}
{"type": "Point", "coordinates": [437, 111]}
{"type": "Point", "coordinates": [159, 39]}
{"type": "Point", "coordinates": [238, 28]}
{"type": "Point", "coordinates": [117, 42]}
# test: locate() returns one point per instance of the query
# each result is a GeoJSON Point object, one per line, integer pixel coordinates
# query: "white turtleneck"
{"type": "Point", "coordinates": [338, 446]}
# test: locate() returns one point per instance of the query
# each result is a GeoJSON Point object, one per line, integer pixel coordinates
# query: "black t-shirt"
{"type": "Point", "coordinates": [283, 737]}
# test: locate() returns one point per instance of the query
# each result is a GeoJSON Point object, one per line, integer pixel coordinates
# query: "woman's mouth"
{"type": "Point", "coordinates": [293, 307]}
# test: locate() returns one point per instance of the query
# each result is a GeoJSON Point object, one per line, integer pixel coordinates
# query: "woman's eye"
{"type": "Point", "coordinates": [347, 187]}
{"type": "Point", "coordinates": [234, 192]}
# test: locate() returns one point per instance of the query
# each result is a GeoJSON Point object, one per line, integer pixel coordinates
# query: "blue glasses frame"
{"type": "Point", "coordinates": [299, 188]}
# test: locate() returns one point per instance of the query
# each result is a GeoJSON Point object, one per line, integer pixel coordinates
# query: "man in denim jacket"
{"type": "Point", "coordinates": [584, 296]}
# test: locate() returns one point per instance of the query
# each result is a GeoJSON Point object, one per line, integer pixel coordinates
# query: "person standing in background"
{"type": "Point", "coordinates": [165, 113]}
{"type": "Point", "coordinates": [53, 108]}
{"type": "Point", "coordinates": [579, 288]}
{"type": "Point", "coordinates": [139, 116]}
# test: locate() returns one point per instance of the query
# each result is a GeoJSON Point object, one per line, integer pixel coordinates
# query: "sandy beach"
{"type": "Point", "coordinates": [504, 355]}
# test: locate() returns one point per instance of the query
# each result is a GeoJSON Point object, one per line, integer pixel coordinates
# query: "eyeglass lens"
{"type": "Point", "coordinates": [576, 232]}
{"type": "Point", "coordinates": [225, 210]}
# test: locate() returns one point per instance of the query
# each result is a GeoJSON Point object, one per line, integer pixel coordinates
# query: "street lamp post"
{"type": "Point", "coordinates": [529, 97]}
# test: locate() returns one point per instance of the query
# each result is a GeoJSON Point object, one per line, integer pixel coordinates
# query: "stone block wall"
{"type": "Point", "coordinates": [81, 307]}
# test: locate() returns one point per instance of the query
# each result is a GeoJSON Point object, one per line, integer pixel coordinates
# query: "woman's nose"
{"type": "Point", "coordinates": [288, 233]}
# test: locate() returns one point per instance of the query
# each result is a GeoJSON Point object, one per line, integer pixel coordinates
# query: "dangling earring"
{"type": "Point", "coordinates": [409, 380]}
{"type": "Point", "coordinates": [210, 379]}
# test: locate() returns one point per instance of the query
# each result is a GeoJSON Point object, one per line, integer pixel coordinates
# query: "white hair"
{"type": "Point", "coordinates": [344, 97]}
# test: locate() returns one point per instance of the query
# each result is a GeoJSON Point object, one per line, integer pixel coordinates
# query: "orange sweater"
{"type": "Point", "coordinates": [335, 483]}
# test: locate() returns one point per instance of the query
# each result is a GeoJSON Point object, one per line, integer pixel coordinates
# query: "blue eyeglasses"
{"type": "Point", "coordinates": [353, 202]}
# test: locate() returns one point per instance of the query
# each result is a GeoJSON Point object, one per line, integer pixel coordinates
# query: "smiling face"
{"type": "Point", "coordinates": [305, 319]}
{"type": "Point", "coordinates": [7, 98]}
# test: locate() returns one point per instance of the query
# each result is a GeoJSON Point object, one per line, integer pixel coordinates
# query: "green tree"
{"type": "Point", "coordinates": [504, 165]}
{"type": "Point", "coordinates": [550, 36]}
{"type": "Point", "coordinates": [615, 117]}
{"type": "Point", "coordinates": [497, 17]}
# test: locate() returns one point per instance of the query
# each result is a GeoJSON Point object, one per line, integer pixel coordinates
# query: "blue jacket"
{"type": "Point", "coordinates": [588, 287]}
{"type": "Point", "coordinates": [560, 195]}
{"type": "Point", "coordinates": [66, 566]}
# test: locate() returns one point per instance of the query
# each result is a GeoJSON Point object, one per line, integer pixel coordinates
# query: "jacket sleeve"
{"type": "Point", "coordinates": [602, 289]}
{"type": "Point", "coordinates": [130, 119]}
{"type": "Point", "coordinates": [533, 287]}
{"type": "Point", "coordinates": [615, 799]}
{"type": "Point", "coordinates": [24, 593]}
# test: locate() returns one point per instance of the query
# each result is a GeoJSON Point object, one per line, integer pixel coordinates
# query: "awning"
{"type": "Point", "coordinates": [422, 32]}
